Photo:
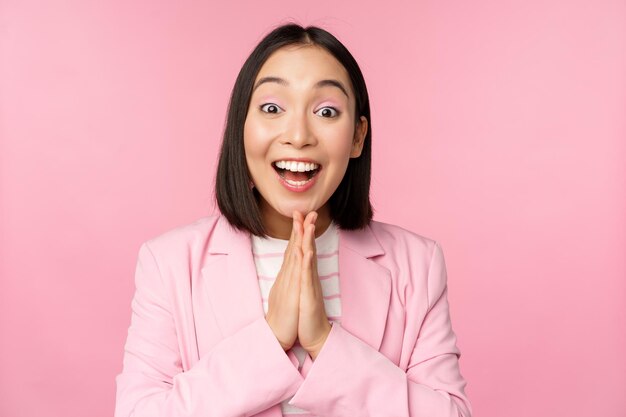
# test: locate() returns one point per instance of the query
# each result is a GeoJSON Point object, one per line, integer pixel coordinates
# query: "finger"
{"type": "Point", "coordinates": [287, 257]}
{"type": "Point", "coordinates": [308, 247]}
{"type": "Point", "coordinates": [307, 271]}
{"type": "Point", "coordinates": [306, 238]}
{"type": "Point", "coordinates": [288, 267]}
{"type": "Point", "coordinates": [313, 228]}
{"type": "Point", "coordinates": [310, 218]}
{"type": "Point", "coordinates": [309, 239]}
{"type": "Point", "coordinates": [296, 249]}
{"type": "Point", "coordinates": [290, 242]}
{"type": "Point", "coordinates": [296, 269]}
{"type": "Point", "coordinates": [311, 259]}
{"type": "Point", "coordinates": [306, 260]}
{"type": "Point", "coordinates": [312, 247]}
{"type": "Point", "coordinates": [297, 227]}
{"type": "Point", "coordinates": [300, 223]}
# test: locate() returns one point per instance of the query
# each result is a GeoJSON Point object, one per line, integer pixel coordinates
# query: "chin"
{"type": "Point", "coordinates": [288, 209]}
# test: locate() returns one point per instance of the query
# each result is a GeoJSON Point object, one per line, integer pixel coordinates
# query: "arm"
{"type": "Point", "coordinates": [233, 379]}
{"type": "Point", "coordinates": [366, 383]}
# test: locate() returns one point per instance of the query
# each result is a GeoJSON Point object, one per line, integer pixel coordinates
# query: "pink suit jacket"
{"type": "Point", "coordinates": [199, 345]}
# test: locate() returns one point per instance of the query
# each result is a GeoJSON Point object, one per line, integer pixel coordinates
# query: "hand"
{"type": "Point", "coordinates": [284, 297]}
{"type": "Point", "coordinates": [313, 325]}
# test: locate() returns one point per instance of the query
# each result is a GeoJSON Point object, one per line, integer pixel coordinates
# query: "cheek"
{"type": "Point", "coordinates": [339, 140]}
{"type": "Point", "coordinates": [253, 138]}
{"type": "Point", "coordinates": [256, 126]}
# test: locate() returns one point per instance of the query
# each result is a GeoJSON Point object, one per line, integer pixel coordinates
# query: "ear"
{"type": "Point", "coordinates": [359, 137]}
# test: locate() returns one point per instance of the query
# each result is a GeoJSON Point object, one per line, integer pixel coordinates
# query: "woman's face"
{"type": "Point", "coordinates": [300, 133]}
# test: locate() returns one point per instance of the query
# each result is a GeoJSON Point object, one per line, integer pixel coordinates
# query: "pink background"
{"type": "Point", "coordinates": [499, 131]}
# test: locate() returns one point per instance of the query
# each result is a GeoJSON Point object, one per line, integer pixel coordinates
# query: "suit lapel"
{"type": "Point", "coordinates": [365, 286]}
{"type": "Point", "coordinates": [231, 281]}
{"type": "Point", "coordinates": [365, 289]}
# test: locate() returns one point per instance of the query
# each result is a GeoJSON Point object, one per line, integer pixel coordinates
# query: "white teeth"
{"type": "Point", "coordinates": [295, 166]}
{"type": "Point", "coordinates": [296, 183]}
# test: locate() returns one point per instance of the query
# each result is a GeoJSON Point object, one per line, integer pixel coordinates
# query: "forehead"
{"type": "Point", "coordinates": [304, 62]}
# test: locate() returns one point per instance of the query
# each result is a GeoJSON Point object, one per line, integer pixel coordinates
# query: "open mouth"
{"type": "Point", "coordinates": [296, 173]}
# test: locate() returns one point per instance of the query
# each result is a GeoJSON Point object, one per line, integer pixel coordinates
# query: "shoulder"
{"type": "Point", "coordinates": [416, 257]}
{"type": "Point", "coordinates": [190, 244]}
{"type": "Point", "coordinates": [178, 255]}
{"type": "Point", "coordinates": [395, 239]}
{"type": "Point", "coordinates": [191, 233]}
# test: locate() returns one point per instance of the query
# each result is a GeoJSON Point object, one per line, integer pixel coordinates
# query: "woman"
{"type": "Point", "coordinates": [292, 300]}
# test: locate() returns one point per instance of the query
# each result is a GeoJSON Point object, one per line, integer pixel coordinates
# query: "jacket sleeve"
{"type": "Point", "coordinates": [243, 374]}
{"type": "Point", "coordinates": [367, 383]}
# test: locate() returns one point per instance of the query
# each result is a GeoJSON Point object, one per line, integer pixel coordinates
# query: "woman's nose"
{"type": "Point", "coordinates": [299, 132]}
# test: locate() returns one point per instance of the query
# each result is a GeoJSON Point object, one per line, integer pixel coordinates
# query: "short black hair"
{"type": "Point", "coordinates": [350, 206]}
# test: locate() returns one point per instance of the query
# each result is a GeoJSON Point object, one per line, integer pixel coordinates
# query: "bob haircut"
{"type": "Point", "coordinates": [350, 206]}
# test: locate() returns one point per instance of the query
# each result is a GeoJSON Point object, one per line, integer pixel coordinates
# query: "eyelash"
{"type": "Point", "coordinates": [337, 113]}
{"type": "Point", "coordinates": [265, 107]}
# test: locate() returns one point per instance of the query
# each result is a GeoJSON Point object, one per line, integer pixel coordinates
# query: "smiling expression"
{"type": "Point", "coordinates": [300, 133]}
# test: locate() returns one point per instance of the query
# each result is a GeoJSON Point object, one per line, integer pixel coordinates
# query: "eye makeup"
{"type": "Point", "coordinates": [329, 103]}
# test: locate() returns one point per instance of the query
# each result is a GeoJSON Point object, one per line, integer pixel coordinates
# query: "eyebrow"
{"type": "Point", "coordinates": [319, 84]}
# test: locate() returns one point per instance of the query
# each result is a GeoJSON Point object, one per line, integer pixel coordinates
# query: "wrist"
{"type": "Point", "coordinates": [314, 352]}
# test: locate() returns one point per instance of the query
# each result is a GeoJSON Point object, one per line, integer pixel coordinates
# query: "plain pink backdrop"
{"type": "Point", "coordinates": [499, 130]}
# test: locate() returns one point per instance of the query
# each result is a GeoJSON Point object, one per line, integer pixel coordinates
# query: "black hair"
{"type": "Point", "coordinates": [350, 206]}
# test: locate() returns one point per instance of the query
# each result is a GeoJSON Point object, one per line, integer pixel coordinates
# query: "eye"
{"type": "Point", "coordinates": [271, 108]}
{"type": "Point", "coordinates": [327, 112]}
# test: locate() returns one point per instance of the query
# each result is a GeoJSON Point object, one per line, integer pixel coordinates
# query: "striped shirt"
{"type": "Point", "coordinates": [268, 257]}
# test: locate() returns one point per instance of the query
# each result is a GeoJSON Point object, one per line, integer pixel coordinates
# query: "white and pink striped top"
{"type": "Point", "coordinates": [268, 257]}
